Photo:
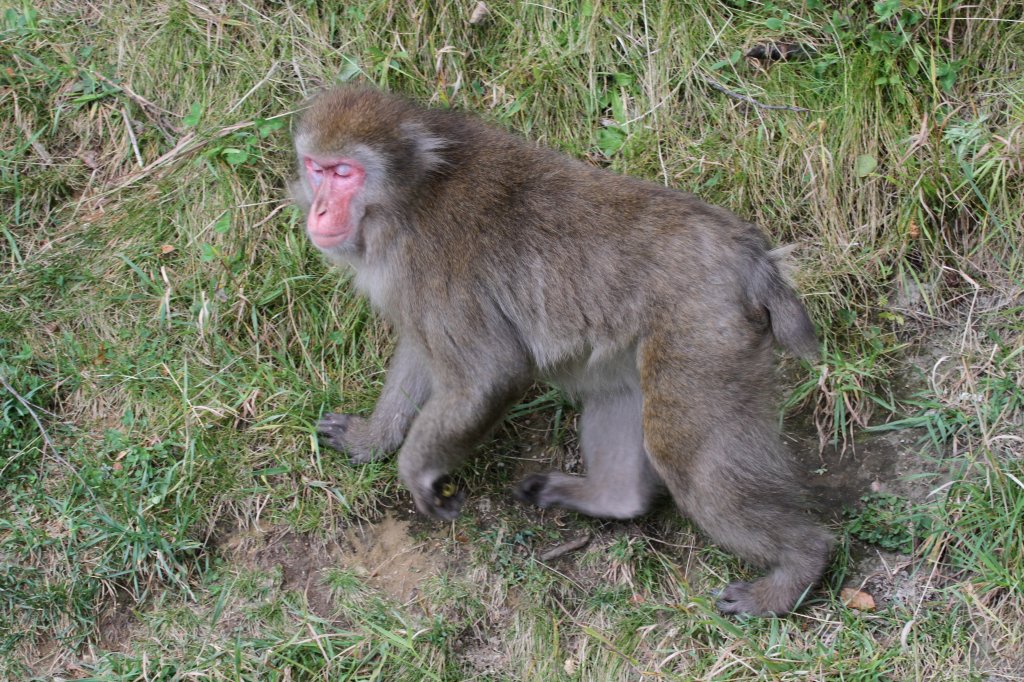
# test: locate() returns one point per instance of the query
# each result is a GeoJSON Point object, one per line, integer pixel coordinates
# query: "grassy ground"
{"type": "Point", "coordinates": [168, 337]}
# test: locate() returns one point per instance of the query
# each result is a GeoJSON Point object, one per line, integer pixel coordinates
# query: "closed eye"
{"type": "Point", "coordinates": [315, 172]}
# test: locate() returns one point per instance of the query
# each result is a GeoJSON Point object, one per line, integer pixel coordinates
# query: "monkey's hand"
{"type": "Point", "coordinates": [441, 500]}
{"type": "Point", "coordinates": [352, 435]}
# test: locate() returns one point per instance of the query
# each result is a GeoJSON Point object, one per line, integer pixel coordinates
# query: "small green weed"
{"type": "Point", "coordinates": [889, 522]}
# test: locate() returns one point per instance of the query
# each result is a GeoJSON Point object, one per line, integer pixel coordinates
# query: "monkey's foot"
{"type": "Point", "coordinates": [345, 432]}
{"type": "Point", "coordinates": [581, 494]}
{"type": "Point", "coordinates": [737, 599]}
{"type": "Point", "coordinates": [757, 599]}
{"type": "Point", "coordinates": [443, 499]}
{"type": "Point", "coordinates": [534, 490]}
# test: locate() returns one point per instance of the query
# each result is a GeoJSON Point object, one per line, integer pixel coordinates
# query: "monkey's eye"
{"type": "Point", "coordinates": [343, 170]}
{"type": "Point", "coordinates": [316, 172]}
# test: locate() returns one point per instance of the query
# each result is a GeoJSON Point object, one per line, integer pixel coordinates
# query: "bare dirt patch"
{"type": "Point", "coordinates": [391, 559]}
{"type": "Point", "coordinates": [893, 580]}
{"type": "Point", "coordinates": [887, 462]}
{"type": "Point", "coordinates": [383, 553]}
{"type": "Point", "coordinates": [300, 559]}
{"type": "Point", "coordinates": [485, 656]}
{"type": "Point", "coordinates": [116, 625]}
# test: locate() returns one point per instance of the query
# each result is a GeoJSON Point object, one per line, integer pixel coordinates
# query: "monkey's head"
{"type": "Point", "coordinates": [359, 149]}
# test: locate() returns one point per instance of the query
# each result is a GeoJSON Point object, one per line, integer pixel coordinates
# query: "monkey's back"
{"type": "Point", "coordinates": [625, 248]}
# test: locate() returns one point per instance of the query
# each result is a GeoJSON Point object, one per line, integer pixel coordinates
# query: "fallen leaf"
{"type": "Point", "coordinates": [166, 249]}
{"type": "Point", "coordinates": [913, 230]}
{"type": "Point", "coordinates": [857, 599]}
{"type": "Point", "coordinates": [89, 159]}
{"type": "Point", "coordinates": [865, 165]}
{"type": "Point", "coordinates": [479, 15]}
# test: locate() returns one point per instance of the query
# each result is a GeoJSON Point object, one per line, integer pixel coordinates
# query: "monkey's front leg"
{"type": "Point", "coordinates": [406, 388]}
{"type": "Point", "coordinates": [450, 425]}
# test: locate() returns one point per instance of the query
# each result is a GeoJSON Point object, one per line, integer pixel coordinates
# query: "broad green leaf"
{"type": "Point", "coordinates": [865, 165]}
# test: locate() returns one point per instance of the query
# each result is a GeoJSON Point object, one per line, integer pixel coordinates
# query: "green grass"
{"type": "Point", "coordinates": [168, 338]}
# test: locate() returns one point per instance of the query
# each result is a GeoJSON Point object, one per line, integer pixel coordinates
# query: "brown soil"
{"type": "Point", "coordinates": [115, 626]}
{"type": "Point", "coordinates": [889, 462]}
{"type": "Point", "coordinates": [382, 552]}
{"type": "Point", "coordinates": [393, 562]}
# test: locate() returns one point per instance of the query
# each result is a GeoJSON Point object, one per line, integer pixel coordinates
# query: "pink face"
{"type": "Point", "coordinates": [335, 183]}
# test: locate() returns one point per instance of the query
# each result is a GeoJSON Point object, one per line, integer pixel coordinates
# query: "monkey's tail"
{"type": "Point", "coordinates": [791, 325]}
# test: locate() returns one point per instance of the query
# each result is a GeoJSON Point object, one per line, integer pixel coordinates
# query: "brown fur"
{"type": "Point", "coordinates": [500, 263]}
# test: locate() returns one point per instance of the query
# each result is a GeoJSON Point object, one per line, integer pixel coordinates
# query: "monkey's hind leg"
{"type": "Point", "coordinates": [620, 482]}
{"type": "Point", "coordinates": [716, 448]}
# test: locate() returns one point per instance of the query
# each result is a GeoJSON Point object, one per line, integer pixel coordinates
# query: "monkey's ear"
{"type": "Point", "coordinates": [429, 148]}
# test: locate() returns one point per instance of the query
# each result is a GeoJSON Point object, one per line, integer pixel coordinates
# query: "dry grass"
{"type": "Point", "coordinates": [167, 339]}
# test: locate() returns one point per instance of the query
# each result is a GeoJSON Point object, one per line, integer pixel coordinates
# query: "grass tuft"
{"type": "Point", "coordinates": [168, 337]}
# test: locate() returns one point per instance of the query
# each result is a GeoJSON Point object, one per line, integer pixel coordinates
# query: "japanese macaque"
{"type": "Point", "coordinates": [499, 263]}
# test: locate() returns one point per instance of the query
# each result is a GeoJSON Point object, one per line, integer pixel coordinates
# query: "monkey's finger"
{"type": "Point", "coordinates": [331, 431]}
{"type": "Point", "coordinates": [335, 419]}
{"type": "Point", "coordinates": [333, 423]}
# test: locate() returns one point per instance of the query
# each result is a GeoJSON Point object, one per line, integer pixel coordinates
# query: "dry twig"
{"type": "Point", "coordinates": [750, 100]}
{"type": "Point", "coordinates": [565, 548]}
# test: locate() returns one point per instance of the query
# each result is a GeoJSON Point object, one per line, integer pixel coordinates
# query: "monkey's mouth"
{"type": "Point", "coordinates": [328, 230]}
{"type": "Point", "coordinates": [327, 240]}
